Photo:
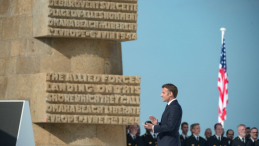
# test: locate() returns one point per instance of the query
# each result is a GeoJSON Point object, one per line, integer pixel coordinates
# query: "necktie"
{"type": "Point", "coordinates": [166, 106]}
{"type": "Point", "coordinates": [197, 138]}
{"type": "Point", "coordinates": [134, 137]}
{"type": "Point", "coordinates": [219, 139]}
{"type": "Point", "coordinates": [243, 140]}
{"type": "Point", "coordinates": [154, 136]}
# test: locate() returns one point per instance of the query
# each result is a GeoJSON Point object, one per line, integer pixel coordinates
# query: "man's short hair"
{"type": "Point", "coordinates": [184, 123]}
{"type": "Point", "coordinates": [193, 125]}
{"type": "Point", "coordinates": [215, 126]}
{"type": "Point", "coordinates": [247, 127]}
{"type": "Point", "coordinates": [240, 126]}
{"type": "Point", "coordinates": [230, 130]}
{"type": "Point", "coordinates": [254, 128]}
{"type": "Point", "coordinates": [171, 88]}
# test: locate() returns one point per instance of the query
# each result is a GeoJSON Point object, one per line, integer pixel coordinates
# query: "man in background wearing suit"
{"type": "Point", "coordinates": [195, 139]}
{"type": "Point", "coordinates": [230, 136]}
{"type": "Point", "coordinates": [252, 141]}
{"type": "Point", "coordinates": [240, 140]}
{"type": "Point", "coordinates": [183, 136]}
{"type": "Point", "coordinates": [168, 128]}
{"type": "Point", "coordinates": [217, 139]}
{"type": "Point", "coordinates": [149, 138]}
{"type": "Point", "coordinates": [132, 138]}
{"type": "Point", "coordinates": [207, 133]}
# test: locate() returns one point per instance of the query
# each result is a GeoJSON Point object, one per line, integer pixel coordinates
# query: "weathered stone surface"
{"type": "Point", "coordinates": [5, 49]}
{"type": "Point", "coordinates": [1, 25]}
{"type": "Point", "coordinates": [25, 27]}
{"type": "Point", "coordinates": [28, 65]}
{"type": "Point", "coordinates": [2, 67]}
{"type": "Point", "coordinates": [87, 64]}
{"type": "Point", "coordinates": [108, 139]}
{"type": "Point", "coordinates": [42, 133]}
{"type": "Point", "coordinates": [55, 64]}
{"type": "Point", "coordinates": [24, 85]}
{"type": "Point", "coordinates": [39, 46]}
{"type": "Point", "coordinates": [3, 86]}
{"type": "Point", "coordinates": [11, 28]}
{"type": "Point", "coordinates": [11, 88]}
{"type": "Point", "coordinates": [18, 47]}
{"type": "Point", "coordinates": [10, 66]}
{"type": "Point", "coordinates": [6, 7]}
{"type": "Point", "coordinates": [113, 66]}
{"type": "Point", "coordinates": [22, 7]}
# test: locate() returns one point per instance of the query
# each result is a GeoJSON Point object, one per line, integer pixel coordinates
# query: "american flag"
{"type": "Point", "coordinates": [223, 85]}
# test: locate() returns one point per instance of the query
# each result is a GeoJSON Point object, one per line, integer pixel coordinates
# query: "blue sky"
{"type": "Point", "coordinates": [179, 42]}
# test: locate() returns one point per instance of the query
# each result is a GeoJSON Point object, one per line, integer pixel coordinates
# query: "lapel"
{"type": "Point", "coordinates": [173, 102]}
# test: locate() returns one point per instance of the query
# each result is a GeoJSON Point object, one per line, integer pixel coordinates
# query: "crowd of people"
{"type": "Point", "coordinates": [246, 136]}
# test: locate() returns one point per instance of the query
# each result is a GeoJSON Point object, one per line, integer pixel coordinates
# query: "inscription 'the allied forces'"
{"type": "Point", "coordinates": [87, 95]}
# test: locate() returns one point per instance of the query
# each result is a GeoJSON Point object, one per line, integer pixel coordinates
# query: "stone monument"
{"type": "Point", "coordinates": [64, 57]}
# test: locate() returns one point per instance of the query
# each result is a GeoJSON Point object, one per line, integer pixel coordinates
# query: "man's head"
{"type": "Point", "coordinates": [169, 92]}
{"type": "Point", "coordinates": [208, 133]}
{"type": "Point", "coordinates": [230, 134]}
{"type": "Point", "coordinates": [247, 132]}
{"type": "Point", "coordinates": [241, 130]}
{"type": "Point", "coordinates": [184, 128]}
{"type": "Point", "coordinates": [196, 129]}
{"type": "Point", "coordinates": [254, 133]}
{"type": "Point", "coordinates": [218, 129]}
{"type": "Point", "coordinates": [133, 129]}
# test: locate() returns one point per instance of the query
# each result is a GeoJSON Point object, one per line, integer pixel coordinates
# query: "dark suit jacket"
{"type": "Point", "coordinates": [213, 141]}
{"type": "Point", "coordinates": [237, 142]}
{"type": "Point", "coordinates": [137, 142]}
{"type": "Point", "coordinates": [191, 141]}
{"type": "Point", "coordinates": [148, 140]}
{"type": "Point", "coordinates": [183, 141]}
{"type": "Point", "coordinates": [168, 128]}
{"type": "Point", "coordinates": [251, 143]}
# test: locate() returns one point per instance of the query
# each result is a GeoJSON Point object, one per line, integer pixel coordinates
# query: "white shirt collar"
{"type": "Point", "coordinates": [241, 138]}
{"type": "Point", "coordinates": [153, 134]}
{"type": "Point", "coordinates": [218, 136]}
{"type": "Point", "coordinates": [171, 101]}
{"type": "Point", "coordinates": [252, 139]}
{"type": "Point", "coordinates": [132, 135]}
{"type": "Point", "coordinates": [195, 136]}
{"type": "Point", "coordinates": [184, 136]}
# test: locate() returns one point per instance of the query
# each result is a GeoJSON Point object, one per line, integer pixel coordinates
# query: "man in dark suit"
{"type": "Point", "coordinates": [217, 139]}
{"type": "Point", "coordinates": [183, 136]}
{"type": "Point", "coordinates": [230, 136]}
{"type": "Point", "coordinates": [132, 138]}
{"type": "Point", "coordinates": [252, 141]}
{"type": "Point", "coordinates": [208, 133]}
{"type": "Point", "coordinates": [149, 138]}
{"type": "Point", "coordinates": [168, 128]}
{"type": "Point", "coordinates": [195, 139]}
{"type": "Point", "coordinates": [240, 140]}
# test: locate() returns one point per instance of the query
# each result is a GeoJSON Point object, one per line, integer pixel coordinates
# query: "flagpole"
{"type": "Point", "coordinates": [222, 37]}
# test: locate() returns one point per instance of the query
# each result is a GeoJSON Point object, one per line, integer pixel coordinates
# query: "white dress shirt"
{"type": "Point", "coordinates": [196, 137]}
{"type": "Point", "coordinates": [241, 138]}
{"type": "Point", "coordinates": [184, 136]}
{"type": "Point", "coordinates": [218, 137]}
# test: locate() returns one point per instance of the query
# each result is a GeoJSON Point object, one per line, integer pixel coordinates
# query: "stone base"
{"type": "Point", "coordinates": [79, 135]}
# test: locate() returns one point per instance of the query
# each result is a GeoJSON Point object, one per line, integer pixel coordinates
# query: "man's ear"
{"type": "Point", "coordinates": [171, 94]}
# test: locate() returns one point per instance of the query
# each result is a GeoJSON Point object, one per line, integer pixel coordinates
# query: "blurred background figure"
{"type": "Point", "coordinates": [240, 140]}
{"type": "Point", "coordinates": [195, 139]}
{"type": "Point", "coordinates": [223, 132]}
{"type": "Point", "coordinates": [149, 138]}
{"type": "Point", "coordinates": [132, 138]}
{"type": "Point", "coordinates": [127, 129]}
{"type": "Point", "coordinates": [217, 139]}
{"type": "Point", "coordinates": [183, 136]}
{"type": "Point", "coordinates": [252, 141]}
{"type": "Point", "coordinates": [138, 133]}
{"type": "Point", "coordinates": [230, 136]}
{"type": "Point", "coordinates": [208, 133]}
{"type": "Point", "coordinates": [248, 132]}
